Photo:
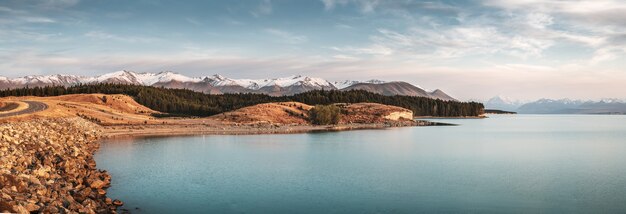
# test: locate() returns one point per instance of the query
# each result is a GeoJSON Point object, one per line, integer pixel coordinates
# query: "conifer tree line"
{"type": "Point", "coordinates": [191, 103]}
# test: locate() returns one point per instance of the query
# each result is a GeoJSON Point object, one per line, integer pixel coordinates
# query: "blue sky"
{"type": "Point", "coordinates": [524, 49]}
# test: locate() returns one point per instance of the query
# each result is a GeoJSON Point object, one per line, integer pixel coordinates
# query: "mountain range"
{"type": "Point", "coordinates": [217, 84]}
{"type": "Point", "coordinates": [560, 106]}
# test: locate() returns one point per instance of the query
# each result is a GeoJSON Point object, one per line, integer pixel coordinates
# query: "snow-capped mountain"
{"type": "Point", "coordinates": [129, 77]}
{"type": "Point", "coordinates": [218, 84]}
{"type": "Point", "coordinates": [568, 106]}
{"type": "Point", "coordinates": [123, 77]}
{"type": "Point", "coordinates": [612, 100]}
{"type": "Point", "coordinates": [56, 79]}
{"type": "Point", "coordinates": [256, 84]}
{"type": "Point", "coordinates": [348, 83]}
{"type": "Point", "coordinates": [502, 103]}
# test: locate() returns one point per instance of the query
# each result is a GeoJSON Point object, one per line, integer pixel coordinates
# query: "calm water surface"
{"type": "Point", "coordinates": [523, 163]}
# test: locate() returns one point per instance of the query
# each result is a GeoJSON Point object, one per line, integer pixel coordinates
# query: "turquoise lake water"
{"type": "Point", "coordinates": [503, 164]}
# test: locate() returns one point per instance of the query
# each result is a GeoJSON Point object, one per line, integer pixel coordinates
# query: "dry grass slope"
{"type": "Point", "coordinates": [99, 108]}
{"type": "Point", "coordinates": [273, 113]}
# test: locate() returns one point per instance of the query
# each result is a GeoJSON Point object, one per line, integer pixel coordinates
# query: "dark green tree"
{"type": "Point", "coordinates": [325, 114]}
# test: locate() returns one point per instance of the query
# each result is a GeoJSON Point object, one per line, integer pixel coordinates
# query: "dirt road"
{"type": "Point", "coordinates": [33, 106]}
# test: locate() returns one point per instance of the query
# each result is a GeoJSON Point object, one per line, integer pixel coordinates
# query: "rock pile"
{"type": "Point", "coordinates": [47, 166]}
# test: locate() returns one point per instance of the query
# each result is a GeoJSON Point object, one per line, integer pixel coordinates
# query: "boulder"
{"type": "Point", "coordinates": [98, 184]}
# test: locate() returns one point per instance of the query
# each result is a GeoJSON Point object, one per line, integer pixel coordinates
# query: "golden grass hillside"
{"type": "Point", "coordinates": [99, 108]}
{"type": "Point", "coordinates": [373, 113]}
{"type": "Point", "coordinates": [274, 113]}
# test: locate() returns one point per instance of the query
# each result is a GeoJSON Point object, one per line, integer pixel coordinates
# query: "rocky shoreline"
{"type": "Point", "coordinates": [47, 166]}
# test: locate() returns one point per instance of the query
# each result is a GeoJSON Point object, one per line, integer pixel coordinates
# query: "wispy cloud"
{"type": "Point", "coordinates": [15, 26]}
{"type": "Point", "coordinates": [522, 29]}
{"type": "Point", "coordinates": [17, 35]}
{"type": "Point", "coordinates": [365, 5]}
{"type": "Point", "coordinates": [592, 23]}
{"type": "Point", "coordinates": [14, 17]}
{"type": "Point", "coordinates": [287, 37]}
{"type": "Point", "coordinates": [450, 43]}
{"type": "Point", "coordinates": [368, 6]}
{"type": "Point", "coordinates": [57, 4]}
{"type": "Point", "coordinates": [376, 50]}
{"type": "Point", "coordinates": [100, 35]}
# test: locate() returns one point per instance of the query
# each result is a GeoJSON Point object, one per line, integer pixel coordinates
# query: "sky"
{"type": "Point", "coordinates": [472, 49]}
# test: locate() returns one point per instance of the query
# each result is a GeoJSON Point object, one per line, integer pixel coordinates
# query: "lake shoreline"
{"type": "Point", "coordinates": [464, 117]}
{"type": "Point", "coordinates": [171, 130]}
{"type": "Point", "coordinates": [395, 170]}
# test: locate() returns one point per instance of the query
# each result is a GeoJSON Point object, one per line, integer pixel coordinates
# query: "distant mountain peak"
{"type": "Point", "coordinates": [504, 103]}
{"type": "Point", "coordinates": [218, 77]}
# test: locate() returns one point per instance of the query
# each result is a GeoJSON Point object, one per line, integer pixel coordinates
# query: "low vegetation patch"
{"type": "Point", "coordinates": [325, 114]}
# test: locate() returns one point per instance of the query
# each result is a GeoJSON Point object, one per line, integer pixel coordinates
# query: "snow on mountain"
{"type": "Point", "coordinates": [611, 100]}
{"type": "Point", "coordinates": [219, 84]}
{"type": "Point", "coordinates": [348, 83]}
{"type": "Point", "coordinates": [503, 100]}
{"type": "Point", "coordinates": [502, 103]}
{"type": "Point", "coordinates": [254, 84]}
{"type": "Point", "coordinates": [167, 76]}
{"type": "Point", "coordinates": [564, 101]}
{"type": "Point", "coordinates": [375, 81]}
{"type": "Point", "coordinates": [344, 84]}
{"type": "Point", "coordinates": [558, 106]}
{"type": "Point", "coordinates": [126, 77]}
{"type": "Point", "coordinates": [219, 80]}
{"type": "Point", "coordinates": [129, 77]}
{"type": "Point", "coordinates": [300, 80]}
{"type": "Point", "coordinates": [56, 79]}
{"type": "Point", "coordinates": [568, 106]}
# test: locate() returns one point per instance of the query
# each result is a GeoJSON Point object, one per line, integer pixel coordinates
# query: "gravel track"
{"type": "Point", "coordinates": [33, 106]}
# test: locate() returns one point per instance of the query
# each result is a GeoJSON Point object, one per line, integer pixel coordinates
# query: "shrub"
{"type": "Point", "coordinates": [325, 114]}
